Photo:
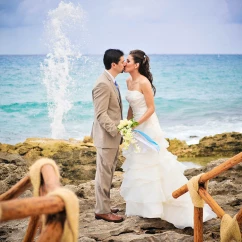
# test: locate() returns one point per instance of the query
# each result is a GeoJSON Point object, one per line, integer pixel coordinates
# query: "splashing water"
{"type": "Point", "coordinates": [60, 27]}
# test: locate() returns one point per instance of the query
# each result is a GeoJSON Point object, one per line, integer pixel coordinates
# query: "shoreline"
{"type": "Point", "coordinates": [208, 149]}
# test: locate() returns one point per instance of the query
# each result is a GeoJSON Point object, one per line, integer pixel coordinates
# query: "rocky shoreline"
{"type": "Point", "coordinates": [76, 160]}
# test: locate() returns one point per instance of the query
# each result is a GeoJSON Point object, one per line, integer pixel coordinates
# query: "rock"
{"type": "Point", "coordinates": [176, 144]}
{"type": "Point", "coordinates": [12, 169]}
{"type": "Point", "coordinates": [76, 159]}
{"type": "Point", "coordinates": [87, 139]}
{"type": "Point", "coordinates": [219, 145]}
{"type": "Point", "coordinates": [226, 190]}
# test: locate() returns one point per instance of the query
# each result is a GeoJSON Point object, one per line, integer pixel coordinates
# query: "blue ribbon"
{"type": "Point", "coordinates": [147, 137]}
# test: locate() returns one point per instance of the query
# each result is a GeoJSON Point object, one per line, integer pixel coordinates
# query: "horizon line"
{"type": "Point", "coordinates": [127, 54]}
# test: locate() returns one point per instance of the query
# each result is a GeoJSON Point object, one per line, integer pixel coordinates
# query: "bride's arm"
{"type": "Point", "coordinates": [130, 112]}
{"type": "Point", "coordinates": [149, 99]}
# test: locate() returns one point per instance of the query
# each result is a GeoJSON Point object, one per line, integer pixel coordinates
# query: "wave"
{"type": "Point", "coordinates": [19, 107]}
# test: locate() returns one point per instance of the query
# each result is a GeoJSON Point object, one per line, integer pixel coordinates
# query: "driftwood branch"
{"type": "Point", "coordinates": [52, 231]}
{"type": "Point", "coordinates": [211, 202]}
{"type": "Point", "coordinates": [17, 189]}
{"type": "Point", "coordinates": [52, 207]}
{"type": "Point", "coordinates": [211, 174]}
{"type": "Point", "coordinates": [22, 208]}
{"type": "Point", "coordinates": [32, 228]}
{"type": "Point", "coordinates": [239, 216]}
{"type": "Point", "coordinates": [198, 224]}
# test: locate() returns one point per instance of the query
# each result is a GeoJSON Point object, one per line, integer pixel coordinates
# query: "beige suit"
{"type": "Point", "coordinates": [107, 115]}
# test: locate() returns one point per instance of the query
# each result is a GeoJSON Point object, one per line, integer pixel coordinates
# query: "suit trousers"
{"type": "Point", "coordinates": [105, 166]}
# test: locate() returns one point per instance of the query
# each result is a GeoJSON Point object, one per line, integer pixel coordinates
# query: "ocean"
{"type": "Point", "coordinates": [197, 96]}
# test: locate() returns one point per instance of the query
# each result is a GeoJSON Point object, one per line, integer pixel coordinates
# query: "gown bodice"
{"type": "Point", "coordinates": [137, 102]}
{"type": "Point", "coordinates": [151, 126]}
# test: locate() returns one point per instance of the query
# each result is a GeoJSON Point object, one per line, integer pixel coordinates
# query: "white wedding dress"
{"type": "Point", "coordinates": [150, 177]}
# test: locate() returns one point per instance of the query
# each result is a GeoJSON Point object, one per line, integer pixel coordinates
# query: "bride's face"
{"type": "Point", "coordinates": [130, 64]}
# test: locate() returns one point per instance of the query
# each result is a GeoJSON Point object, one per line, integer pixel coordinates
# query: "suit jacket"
{"type": "Point", "coordinates": [107, 113]}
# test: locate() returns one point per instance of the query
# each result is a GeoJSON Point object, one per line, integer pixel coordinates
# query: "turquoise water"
{"type": "Point", "coordinates": [197, 95]}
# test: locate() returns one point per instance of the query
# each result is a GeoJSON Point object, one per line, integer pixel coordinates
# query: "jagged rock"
{"type": "Point", "coordinates": [12, 169]}
{"type": "Point", "coordinates": [219, 145]}
{"type": "Point", "coordinates": [76, 159]}
{"type": "Point", "coordinates": [226, 190]}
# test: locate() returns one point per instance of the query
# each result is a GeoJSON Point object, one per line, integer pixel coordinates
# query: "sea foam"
{"type": "Point", "coordinates": [60, 28]}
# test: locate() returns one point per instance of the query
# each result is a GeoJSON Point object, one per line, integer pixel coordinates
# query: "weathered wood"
{"type": "Point", "coordinates": [239, 216]}
{"type": "Point", "coordinates": [32, 228]}
{"type": "Point", "coordinates": [211, 174]}
{"type": "Point", "coordinates": [17, 189]}
{"type": "Point", "coordinates": [52, 232]}
{"type": "Point", "coordinates": [22, 208]}
{"type": "Point", "coordinates": [198, 224]}
{"type": "Point", "coordinates": [50, 180]}
{"type": "Point", "coordinates": [211, 202]}
{"type": "Point", "coordinates": [221, 168]}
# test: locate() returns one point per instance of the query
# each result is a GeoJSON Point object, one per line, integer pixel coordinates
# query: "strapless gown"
{"type": "Point", "coordinates": [150, 177]}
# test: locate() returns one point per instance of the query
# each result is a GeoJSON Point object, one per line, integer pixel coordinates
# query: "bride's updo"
{"type": "Point", "coordinates": [140, 57]}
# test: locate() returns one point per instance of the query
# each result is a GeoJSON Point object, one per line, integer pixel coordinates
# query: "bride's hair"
{"type": "Point", "coordinates": [140, 57]}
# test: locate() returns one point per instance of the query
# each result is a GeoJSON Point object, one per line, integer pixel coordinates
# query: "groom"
{"type": "Point", "coordinates": [107, 115]}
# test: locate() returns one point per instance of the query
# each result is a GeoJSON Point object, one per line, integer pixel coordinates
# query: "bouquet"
{"type": "Point", "coordinates": [125, 128]}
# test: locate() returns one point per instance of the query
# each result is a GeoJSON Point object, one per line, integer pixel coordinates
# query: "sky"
{"type": "Point", "coordinates": [155, 26]}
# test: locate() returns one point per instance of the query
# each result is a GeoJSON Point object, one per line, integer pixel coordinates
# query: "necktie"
{"type": "Point", "coordinates": [116, 84]}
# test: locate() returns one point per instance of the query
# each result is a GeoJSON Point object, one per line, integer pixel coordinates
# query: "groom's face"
{"type": "Point", "coordinates": [120, 66]}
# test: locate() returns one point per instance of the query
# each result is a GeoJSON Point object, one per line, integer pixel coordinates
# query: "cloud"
{"type": "Point", "coordinates": [8, 8]}
{"type": "Point", "coordinates": [234, 11]}
{"type": "Point", "coordinates": [9, 5]}
{"type": "Point", "coordinates": [19, 13]}
{"type": "Point", "coordinates": [172, 11]}
{"type": "Point", "coordinates": [157, 26]}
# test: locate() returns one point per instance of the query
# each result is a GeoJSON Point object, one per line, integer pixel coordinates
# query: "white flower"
{"type": "Point", "coordinates": [125, 128]}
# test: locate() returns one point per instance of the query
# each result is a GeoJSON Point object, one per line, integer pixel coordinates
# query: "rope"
{"type": "Point", "coordinates": [229, 229]}
{"type": "Point", "coordinates": [193, 187]}
{"type": "Point", "coordinates": [70, 233]}
{"type": "Point", "coordinates": [35, 173]}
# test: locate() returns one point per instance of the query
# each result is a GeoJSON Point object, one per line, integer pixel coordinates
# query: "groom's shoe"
{"type": "Point", "coordinates": [114, 210]}
{"type": "Point", "coordinates": [109, 217]}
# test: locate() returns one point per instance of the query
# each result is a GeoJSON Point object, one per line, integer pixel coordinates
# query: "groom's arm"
{"type": "Point", "coordinates": [101, 95]}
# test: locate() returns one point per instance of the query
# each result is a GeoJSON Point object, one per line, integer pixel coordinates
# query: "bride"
{"type": "Point", "coordinates": [150, 177]}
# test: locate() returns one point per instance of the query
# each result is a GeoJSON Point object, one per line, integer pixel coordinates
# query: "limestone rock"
{"type": "Point", "coordinates": [76, 159]}
{"type": "Point", "coordinates": [219, 145]}
{"type": "Point", "coordinates": [226, 189]}
{"type": "Point", "coordinates": [12, 169]}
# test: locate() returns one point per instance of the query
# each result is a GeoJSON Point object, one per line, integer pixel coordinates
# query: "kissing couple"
{"type": "Point", "coordinates": [149, 177]}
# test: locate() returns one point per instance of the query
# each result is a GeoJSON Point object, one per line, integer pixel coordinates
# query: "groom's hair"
{"type": "Point", "coordinates": [111, 56]}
